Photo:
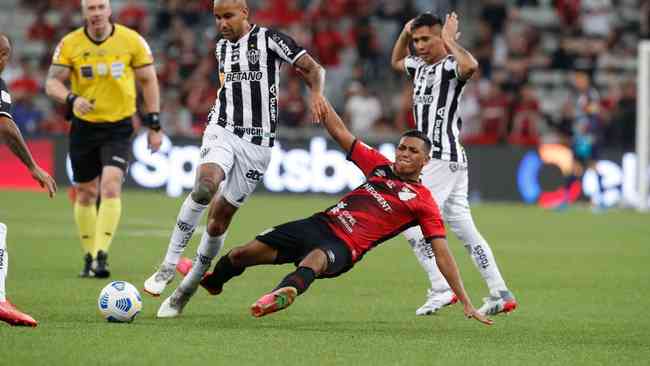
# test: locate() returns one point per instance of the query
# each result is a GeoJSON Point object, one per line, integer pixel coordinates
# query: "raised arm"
{"type": "Point", "coordinates": [401, 48]}
{"type": "Point", "coordinates": [314, 76]}
{"type": "Point", "coordinates": [10, 134]}
{"type": "Point", "coordinates": [467, 64]}
{"type": "Point", "coordinates": [337, 129]}
{"type": "Point", "coordinates": [449, 270]}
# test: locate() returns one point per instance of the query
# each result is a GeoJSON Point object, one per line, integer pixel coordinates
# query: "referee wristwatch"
{"type": "Point", "coordinates": [152, 120]}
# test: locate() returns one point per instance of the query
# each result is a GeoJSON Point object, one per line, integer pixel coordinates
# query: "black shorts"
{"type": "Point", "coordinates": [95, 145]}
{"type": "Point", "coordinates": [294, 240]}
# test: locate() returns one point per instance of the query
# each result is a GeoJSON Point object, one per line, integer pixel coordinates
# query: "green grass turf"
{"type": "Point", "coordinates": [581, 281]}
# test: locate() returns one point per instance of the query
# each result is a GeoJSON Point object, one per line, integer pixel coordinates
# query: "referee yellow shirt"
{"type": "Point", "coordinates": [103, 72]}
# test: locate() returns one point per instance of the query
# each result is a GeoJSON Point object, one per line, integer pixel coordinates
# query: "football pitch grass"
{"type": "Point", "coordinates": [581, 280]}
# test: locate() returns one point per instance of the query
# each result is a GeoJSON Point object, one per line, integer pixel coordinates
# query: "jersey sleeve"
{"type": "Point", "coordinates": [5, 101]}
{"type": "Point", "coordinates": [451, 65]}
{"type": "Point", "coordinates": [412, 64]}
{"type": "Point", "coordinates": [430, 218]}
{"type": "Point", "coordinates": [142, 55]}
{"type": "Point", "coordinates": [61, 56]}
{"type": "Point", "coordinates": [285, 47]}
{"type": "Point", "coordinates": [365, 157]}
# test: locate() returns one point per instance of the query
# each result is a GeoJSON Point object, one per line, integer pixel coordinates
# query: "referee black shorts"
{"type": "Point", "coordinates": [294, 240]}
{"type": "Point", "coordinates": [95, 145]}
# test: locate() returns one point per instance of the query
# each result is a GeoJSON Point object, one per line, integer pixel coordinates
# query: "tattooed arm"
{"type": "Point", "coordinates": [314, 76]}
{"type": "Point", "coordinates": [55, 88]}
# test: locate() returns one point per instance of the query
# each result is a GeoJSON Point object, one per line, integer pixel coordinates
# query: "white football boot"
{"type": "Point", "coordinates": [493, 305]}
{"type": "Point", "coordinates": [436, 301]}
{"type": "Point", "coordinates": [156, 284]}
{"type": "Point", "coordinates": [173, 306]}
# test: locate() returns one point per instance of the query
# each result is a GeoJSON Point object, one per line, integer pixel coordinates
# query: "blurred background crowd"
{"type": "Point", "coordinates": [536, 57]}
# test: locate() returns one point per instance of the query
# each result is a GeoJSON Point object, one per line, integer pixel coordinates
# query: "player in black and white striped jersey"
{"type": "Point", "coordinates": [440, 69]}
{"type": "Point", "coordinates": [236, 147]}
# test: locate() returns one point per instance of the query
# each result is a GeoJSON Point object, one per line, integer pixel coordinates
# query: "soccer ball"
{"type": "Point", "coordinates": [119, 302]}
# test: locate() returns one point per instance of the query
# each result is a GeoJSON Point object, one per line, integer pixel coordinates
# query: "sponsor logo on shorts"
{"type": "Point", "coordinates": [330, 256]}
{"type": "Point", "coordinates": [453, 167]}
{"type": "Point", "coordinates": [2, 258]}
{"type": "Point", "coordinates": [119, 159]}
{"type": "Point", "coordinates": [204, 152]}
{"type": "Point", "coordinates": [254, 175]}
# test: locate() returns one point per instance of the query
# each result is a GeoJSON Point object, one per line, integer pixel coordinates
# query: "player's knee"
{"type": "Point", "coordinates": [111, 190]}
{"type": "Point", "coordinates": [216, 227]}
{"type": "Point", "coordinates": [239, 257]}
{"type": "Point", "coordinates": [86, 195]}
{"type": "Point", "coordinates": [204, 191]}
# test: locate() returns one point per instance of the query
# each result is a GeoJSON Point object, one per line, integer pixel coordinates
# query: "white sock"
{"type": "Point", "coordinates": [424, 253]}
{"type": "Point", "coordinates": [481, 254]}
{"type": "Point", "coordinates": [186, 222]}
{"type": "Point", "coordinates": [4, 260]}
{"type": "Point", "coordinates": [208, 249]}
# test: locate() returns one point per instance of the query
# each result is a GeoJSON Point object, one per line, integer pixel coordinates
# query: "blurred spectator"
{"type": "Point", "coordinates": [362, 109]}
{"type": "Point", "coordinates": [280, 13]}
{"type": "Point", "coordinates": [526, 119]}
{"type": "Point", "coordinates": [134, 15]}
{"type": "Point", "coordinates": [365, 38]}
{"type": "Point", "coordinates": [495, 13]}
{"type": "Point", "coordinates": [568, 11]}
{"type": "Point", "coordinates": [41, 29]}
{"type": "Point", "coordinates": [175, 119]}
{"type": "Point", "coordinates": [494, 117]}
{"type": "Point", "coordinates": [596, 17]}
{"type": "Point", "coordinates": [200, 99]}
{"type": "Point", "coordinates": [327, 43]}
{"type": "Point", "coordinates": [292, 104]}
{"type": "Point", "coordinates": [624, 116]}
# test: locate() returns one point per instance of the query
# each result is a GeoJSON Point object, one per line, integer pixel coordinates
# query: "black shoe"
{"type": "Point", "coordinates": [87, 270]}
{"type": "Point", "coordinates": [101, 269]}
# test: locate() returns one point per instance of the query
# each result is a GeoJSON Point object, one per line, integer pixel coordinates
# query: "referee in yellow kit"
{"type": "Point", "coordinates": [102, 60]}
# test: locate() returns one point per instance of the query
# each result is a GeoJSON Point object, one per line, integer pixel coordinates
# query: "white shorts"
{"type": "Point", "coordinates": [243, 162]}
{"type": "Point", "coordinates": [448, 183]}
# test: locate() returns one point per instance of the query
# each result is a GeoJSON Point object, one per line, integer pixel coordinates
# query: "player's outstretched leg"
{"type": "Point", "coordinates": [294, 284]}
{"type": "Point", "coordinates": [8, 312]}
{"type": "Point", "coordinates": [186, 222]}
{"type": "Point", "coordinates": [501, 300]}
{"type": "Point", "coordinates": [439, 294]}
{"type": "Point", "coordinates": [173, 306]}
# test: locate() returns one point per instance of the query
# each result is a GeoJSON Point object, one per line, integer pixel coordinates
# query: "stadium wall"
{"type": "Point", "coordinates": [317, 166]}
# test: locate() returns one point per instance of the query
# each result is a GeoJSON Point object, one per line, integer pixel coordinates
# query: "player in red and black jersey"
{"type": "Point", "coordinates": [330, 242]}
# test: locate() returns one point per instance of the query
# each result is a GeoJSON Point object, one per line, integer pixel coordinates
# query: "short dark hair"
{"type": "Point", "coordinates": [419, 135]}
{"type": "Point", "coordinates": [426, 20]}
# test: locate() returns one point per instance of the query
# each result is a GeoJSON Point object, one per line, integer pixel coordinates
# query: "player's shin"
{"type": "Point", "coordinates": [4, 260]}
{"type": "Point", "coordinates": [208, 249]}
{"type": "Point", "coordinates": [300, 279]}
{"type": "Point", "coordinates": [223, 272]}
{"type": "Point", "coordinates": [186, 222]}
{"type": "Point", "coordinates": [86, 219]}
{"type": "Point", "coordinates": [481, 254]}
{"type": "Point", "coordinates": [108, 218]}
{"type": "Point", "coordinates": [425, 256]}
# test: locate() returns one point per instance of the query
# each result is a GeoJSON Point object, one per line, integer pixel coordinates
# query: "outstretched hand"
{"type": "Point", "coordinates": [45, 180]}
{"type": "Point", "coordinates": [318, 107]}
{"type": "Point", "coordinates": [472, 313]}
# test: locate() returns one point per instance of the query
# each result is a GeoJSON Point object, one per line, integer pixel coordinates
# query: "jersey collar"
{"type": "Point", "coordinates": [245, 36]}
{"type": "Point", "coordinates": [100, 42]}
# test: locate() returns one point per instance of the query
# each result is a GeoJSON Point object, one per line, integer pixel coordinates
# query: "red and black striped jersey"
{"type": "Point", "coordinates": [382, 207]}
